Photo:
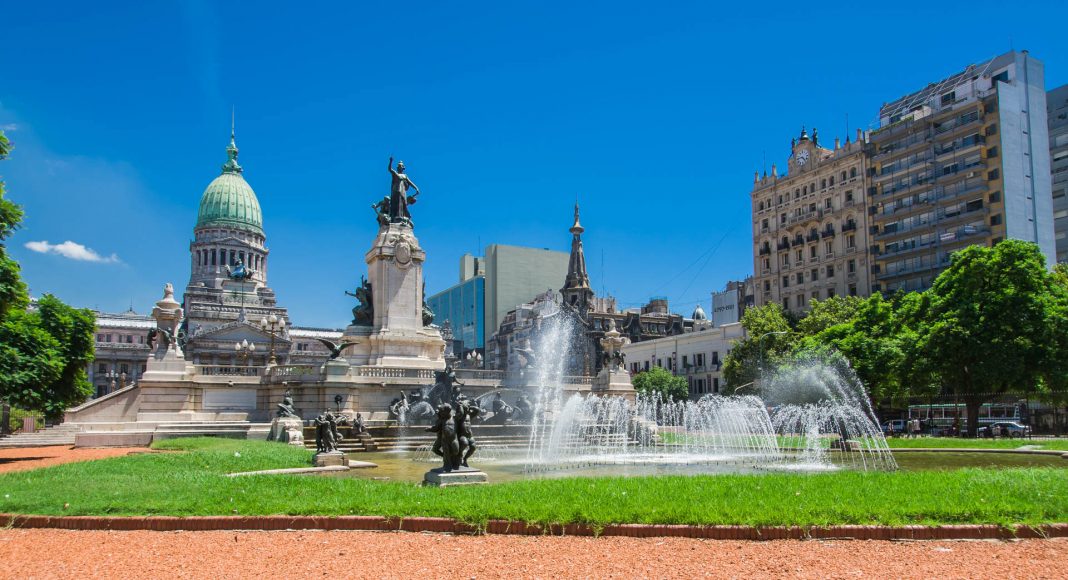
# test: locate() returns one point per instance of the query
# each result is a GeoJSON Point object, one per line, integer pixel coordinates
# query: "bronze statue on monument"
{"type": "Point", "coordinates": [399, 200]}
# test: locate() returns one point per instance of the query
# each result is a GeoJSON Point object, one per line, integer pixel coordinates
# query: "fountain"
{"type": "Point", "coordinates": [813, 415]}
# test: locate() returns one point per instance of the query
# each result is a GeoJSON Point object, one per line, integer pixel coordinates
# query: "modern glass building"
{"type": "Point", "coordinates": [464, 306]}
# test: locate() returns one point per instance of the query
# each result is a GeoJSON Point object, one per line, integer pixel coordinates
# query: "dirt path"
{"type": "Point", "coordinates": [23, 458]}
{"type": "Point", "coordinates": [67, 554]}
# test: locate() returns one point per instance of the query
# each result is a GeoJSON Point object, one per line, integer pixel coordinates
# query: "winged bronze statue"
{"type": "Point", "coordinates": [335, 349]}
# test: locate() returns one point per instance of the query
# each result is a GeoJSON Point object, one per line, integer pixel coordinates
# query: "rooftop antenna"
{"type": "Point", "coordinates": [233, 111]}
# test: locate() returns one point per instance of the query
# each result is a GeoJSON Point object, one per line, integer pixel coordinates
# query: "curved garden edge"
{"type": "Point", "coordinates": [447, 525]}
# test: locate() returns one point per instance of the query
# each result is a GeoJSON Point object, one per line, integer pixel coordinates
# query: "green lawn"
{"type": "Point", "coordinates": [960, 443]}
{"type": "Point", "coordinates": [192, 483]}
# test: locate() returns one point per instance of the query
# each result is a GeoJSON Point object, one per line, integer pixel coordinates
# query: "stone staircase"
{"type": "Point", "coordinates": [62, 434]}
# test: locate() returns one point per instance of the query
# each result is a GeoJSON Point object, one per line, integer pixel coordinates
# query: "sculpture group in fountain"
{"type": "Point", "coordinates": [287, 426]}
{"type": "Point", "coordinates": [613, 378]}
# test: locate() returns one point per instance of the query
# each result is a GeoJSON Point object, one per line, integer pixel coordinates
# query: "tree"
{"type": "Point", "coordinates": [13, 292]}
{"type": "Point", "coordinates": [43, 352]}
{"type": "Point", "coordinates": [770, 340]}
{"type": "Point", "coordinates": [996, 320]}
{"type": "Point", "coordinates": [823, 314]}
{"type": "Point", "coordinates": [662, 383]}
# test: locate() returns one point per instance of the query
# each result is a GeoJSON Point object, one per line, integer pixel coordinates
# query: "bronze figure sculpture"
{"type": "Point", "coordinates": [399, 200]}
{"type": "Point", "coordinates": [363, 314]}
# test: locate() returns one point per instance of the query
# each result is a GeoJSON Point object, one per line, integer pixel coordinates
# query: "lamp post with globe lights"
{"type": "Point", "coordinates": [273, 325]}
{"type": "Point", "coordinates": [245, 350]}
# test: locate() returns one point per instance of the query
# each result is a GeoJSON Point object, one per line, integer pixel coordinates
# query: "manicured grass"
{"type": "Point", "coordinates": [192, 483]}
{"type": "Point", "coordinates": [961, 443]}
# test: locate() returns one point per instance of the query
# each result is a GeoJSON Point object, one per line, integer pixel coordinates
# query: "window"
{"type": "Point", "coordinates": [993, 174]}
{"type": "Point", "coordinates": [814, 274]}
{"type": "Point", "coordinates": [786, 303]}
{"type": "Point", "coordinates": [100, 338]}
{"type": "Point", "coordinates": [992, 152]}
{"type": "Point", "coordinates": [767, 285]}
{"type": "Point", "coordinates": [715, 384]}
{"type": "Point", "coordinates": [800, 256]}
{"type": "Point", "coordinates": [828, 248]}
{"type": "Point", "coordinates": [800, 300]}
{"type": "Point", "coordinates": [213, 258]}
{"type": "Point", "coordinates": [827, 203]}
{"type": "Point", "coordinates": [815, 294]}
{"type": "Point", "coordinates": [995, 220]}
{"type": "Point", "coordinates": [852, 172]}
{"type": "Point", "coordinates": [764, 224]}
{"type": "Point", "coordinates": [700, 359]}
{"type": "Point", "coordinates": [823, 183]}
{"type": "Point", "coordinates": [851, 266]}
{"type": "Point", "coordinates": [830, 271]}
{"type": "Point", "coordinates": [785, 281]}
{"type": "Point", "coordinates": [800, 276]}
{"type": "Point", "coordinates": [812, 251]}
{"type": "Point", "coordinates": [124, 368]}
{"type": "Point", "coordinates": [786, 259]}
{"type": "Point", "coordinates": [948, 98]}
{"type": "Point", "coordinates": [851, 241]}
{"type": "Point", "coordinates": [1002, 77]}
{"type": "Point", "coordinates": [849, 196]}
{"type": "Point", "coordinates": [782, 218]}
{"type": "Point", "coordinates": [830, 181]}
{"type": "Point", "coordinates": [767, 263]}
{"type": "Point", "coordinates": [991, 130]}
{"type": "Point", "coordinates": [843, 176]}
{"type": "Point", "coordinates": [852, 289]}
{"type": "Point", "coordinates": [102, 368]}
{"type": "Point", "coordinates": [830, 293]}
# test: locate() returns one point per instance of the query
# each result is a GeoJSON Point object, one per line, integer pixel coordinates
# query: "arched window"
{"type": "Point", "coordinates": [853, 172]}
{"type": "Point", "coordinates": [804, 190]}
{"type": "Point", "coordinates": [843, 176]}
{"type": "Point", "coordinates": [761, 206]}
{"type": "Point", "coordinates": [823, 183]}
{"type": "Point", "coordinates": [831, 181]}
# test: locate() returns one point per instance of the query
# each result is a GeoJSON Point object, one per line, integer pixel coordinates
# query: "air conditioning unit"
{"type": "Point", "coordinates": [971, 174]}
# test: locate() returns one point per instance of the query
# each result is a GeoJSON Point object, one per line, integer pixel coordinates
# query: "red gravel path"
{"type": "Point", "coordinates": [61, 553]}
{"type": "Point", "coordinates": [23, 458]}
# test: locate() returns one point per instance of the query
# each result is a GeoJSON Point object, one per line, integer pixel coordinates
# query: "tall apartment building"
{"type": "Point", "coordinates": [963, 161]}
{"type": "Point", "coordinates": [810, 225]}
{"type": "Point", "coordinates": [463, 306]}
{"type": "Point", "coordinates": [1057, 114]}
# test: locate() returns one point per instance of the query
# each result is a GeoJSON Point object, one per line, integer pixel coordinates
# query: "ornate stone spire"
{"type": "Point", "coordinates": [576, 290]}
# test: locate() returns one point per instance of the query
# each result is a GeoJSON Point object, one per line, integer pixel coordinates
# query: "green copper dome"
{"type": "Point", "coordinates": [229, 201]}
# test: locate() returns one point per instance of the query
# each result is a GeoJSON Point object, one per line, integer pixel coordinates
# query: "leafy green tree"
{"type": "Point", "coordinates": [823, 314]}
{"type": "Point", "coordinates": [13, 292]}
{"type": "Point", "coordinates": [43, 352]}
{"type": "Point", "coordinates": [661, 382]}
{"type": "Point", "coordinates": [770, 340]}
{"type": "Point", "coordinates": [996, 321]}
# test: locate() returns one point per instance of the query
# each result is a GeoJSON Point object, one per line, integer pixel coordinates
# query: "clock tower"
{"type": "Point", "coordinates": [804, 151]}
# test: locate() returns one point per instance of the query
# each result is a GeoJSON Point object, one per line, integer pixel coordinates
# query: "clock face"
{"type": "Point", "coordinates": [802, 156]}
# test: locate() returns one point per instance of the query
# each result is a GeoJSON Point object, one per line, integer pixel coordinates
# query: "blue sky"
{"type": "Point", "coordinates": [653, 115]}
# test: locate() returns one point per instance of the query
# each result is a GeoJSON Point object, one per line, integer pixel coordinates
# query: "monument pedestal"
{"type": "Point", "coordinates": [287, 430]}
{"type": "Point", "coordinates": [613, 383]}
{"type": "Point", "coordinates": [330, 459]}
{"type": "Point", "coordinates": [463, 476]}
{"type": "Point", "coordinates": [397, 337]}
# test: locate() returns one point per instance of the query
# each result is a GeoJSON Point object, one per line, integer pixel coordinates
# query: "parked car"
{"type": "Point", "coordinates": [1014, 429]}
{"type": "Point", "coordinates": [898, 425]}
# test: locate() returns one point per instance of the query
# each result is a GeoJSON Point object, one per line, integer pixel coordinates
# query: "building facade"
{"type": "Point", "coordinates": [963, 161]}
{"type": "Point", "coordinates": [515, 275]}
{"type": "Point", "coordinates": [810, 225]}
{"type": "Point", "coordinates": [463, 307]}
{"type": "Point", "coordinates": [697, 355]}
{"type": "Point", "coordinates": [121, 350]}
{"type": "Point", "coordinates": [591, 316]}
{"type": "Point", "coordinates": [1057, 115]}
{"type": "Point", "coordinates": [730, 305]}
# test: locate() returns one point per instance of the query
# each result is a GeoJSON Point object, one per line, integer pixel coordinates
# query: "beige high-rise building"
{"type": "Point", "coordinates": [810, 226]}
{"type": "Point", "coordinates": [963, 161]}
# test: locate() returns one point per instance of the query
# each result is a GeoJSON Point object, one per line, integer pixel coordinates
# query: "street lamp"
{"type": "Point", "coordinates": [245, 350]}
{"type": "Point", "coordinates": [111, 376]}
{"type": "Point", "coordinates": [760, 347]}
{"type": "Point", "coordinates": [274, 326]}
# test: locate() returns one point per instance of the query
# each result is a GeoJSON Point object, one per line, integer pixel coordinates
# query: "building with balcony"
{"type": "Point", "coordinates": [963, 161]}
{"type": "Point", "coordinates": [697, 354]}
{"type": "Point", "coordinates": [1057, 115]}
{"type": "Point", "coordinates": [810, 225]}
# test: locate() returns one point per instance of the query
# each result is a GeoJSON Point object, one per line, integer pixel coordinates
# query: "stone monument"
{"type": "Point", "coordinates": [613, 380]}
{"type": "Point", "coordinates": [388, 326]}
{"type": "Point", "coordinates": [287, 426]}
{"type": "Point", "coordinates": [167, 361]}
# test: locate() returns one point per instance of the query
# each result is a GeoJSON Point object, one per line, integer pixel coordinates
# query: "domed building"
{"type": "Point", "coordinates": [228, 297]}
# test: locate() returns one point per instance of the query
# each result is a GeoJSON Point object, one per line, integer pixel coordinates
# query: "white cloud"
{"type": "Point", "coordinates": [9, 127]}
{"type": "Point", "coordinates": [72, 250]}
